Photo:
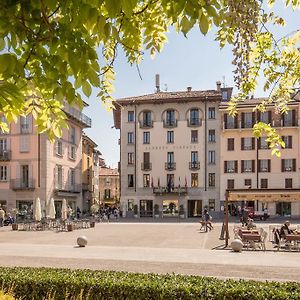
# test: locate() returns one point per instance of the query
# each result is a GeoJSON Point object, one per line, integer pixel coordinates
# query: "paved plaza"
{"type": "Point", "coordinates": [147, 247]}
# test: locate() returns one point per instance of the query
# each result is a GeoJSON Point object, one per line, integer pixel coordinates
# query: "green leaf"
{"type": "Point", "coordinates": [2, 43]}
{"type": "Point", "coordinates": [86, 88]}
{"type": "Point", "coordinates": [204, 24]}
{"type": "Point", "coordinates": [113, 7]}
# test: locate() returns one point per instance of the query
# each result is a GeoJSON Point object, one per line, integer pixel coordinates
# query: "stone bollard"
{"type": "Point", "coordinates": [237, 245]}
{"type": "Point", "coordinates": [82, 241]}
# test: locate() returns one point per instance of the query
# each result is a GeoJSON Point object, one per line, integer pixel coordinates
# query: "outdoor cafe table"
{"type": "Point", "coordinates": [293, 238]}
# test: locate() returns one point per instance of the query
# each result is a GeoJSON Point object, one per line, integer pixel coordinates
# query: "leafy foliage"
{"type": "Point", "coordinates": [62, 284]}
{"type": "Point", "coordinates": [52, 50]}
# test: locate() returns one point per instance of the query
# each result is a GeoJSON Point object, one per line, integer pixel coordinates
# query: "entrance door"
{"type": "Point", "coordinates": [283, 208]}
{"type": "Point", "coordinates": [170, 208]}
{"type": "Point", "coordinates": [58, 205]}
{"type": "Point", "coordinates": [194, 208]}
{"type": "Point", "coordinates": [146, 208]}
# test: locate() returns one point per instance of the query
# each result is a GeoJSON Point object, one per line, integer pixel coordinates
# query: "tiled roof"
{"type": "Point", "coordinates": [108, 172]}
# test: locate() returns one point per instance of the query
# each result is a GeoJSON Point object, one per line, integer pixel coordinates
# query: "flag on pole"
{"type": "Point", "coordinates": [152, 184]}
{"type": "Point", "coordinates": [158, 182]}
{"type": "Point", "coordinates": [185, 182]}
{"type": "Point", "coordinates": [179, 182]}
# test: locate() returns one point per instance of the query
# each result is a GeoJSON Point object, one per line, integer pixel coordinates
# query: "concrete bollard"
{"type": "Point", "coordinates": [82, 241]}
{"type": "Point", "coordinates": [237, 245]}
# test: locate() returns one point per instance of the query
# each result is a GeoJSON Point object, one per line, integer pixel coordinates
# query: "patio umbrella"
{"type": "Point", "coordinates": [52, 211]}
{"type": "Point", "coordinates": [64, 210]}
{"type": "Point", "coordinates": [38, 210]}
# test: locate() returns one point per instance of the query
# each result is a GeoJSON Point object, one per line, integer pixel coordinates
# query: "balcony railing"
{"type": "Point", "coordinates": [5, 155]}
{"type": "Point", "coordinates": [194, 122]}
{"type": "Point", "coordinates": [68, 188]}
{"type": "Point", "coordinates": [146, 124]}
{"type": "Point", "coordinates": [194, 165]}
{"type": "Point", "coordinates": [22, 184]}
{"type": "Point", "coordinates": [146, 166]}
{"type": "Point", "coordinates": [170, 123]}
{"type": "Point", "coordinates": [169, 190]}
{"type": "Point", "coordinates": [77, 114]}
{"type": "Point", "coordinates": [170, 166]}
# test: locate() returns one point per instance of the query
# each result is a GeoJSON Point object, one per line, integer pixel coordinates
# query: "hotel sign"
{"type": "Point", "coordinates": [237, 196]}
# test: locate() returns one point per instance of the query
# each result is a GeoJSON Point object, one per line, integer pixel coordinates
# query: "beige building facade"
{"type": "Point", "coordinates": [254, 177]}
{"type": "Point", "coordinates": [109, 186]}
{"type": "Point", "coordinates": [31, 166]}
{"type": "Point", "coordinates": [169, 152]}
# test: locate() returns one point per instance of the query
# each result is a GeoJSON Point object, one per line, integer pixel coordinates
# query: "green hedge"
{"type": "Point", "coordinates": [45, 283]}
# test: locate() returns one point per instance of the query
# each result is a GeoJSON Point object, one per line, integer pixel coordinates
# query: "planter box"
{"type": "Point", "coordinates": [92, 224]}
{"type": "Point", "coordinates": [70, 227]}
{"type": "Point", "coordinates": [14, 226]}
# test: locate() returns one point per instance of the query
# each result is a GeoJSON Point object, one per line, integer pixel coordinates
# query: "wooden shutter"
{"type": "Point", "coordinates": [294, 164]}
{"type": "Point", "coordinates": [259, 116]}
{"type": "Point", "coordinates": [29, 120]}
{"type": "Point", "coordinates": [269, 116]}
{"type": "Point", "coordinates": [253, 143]}
{"type": "Point", "coordinates": [225, 120]}
{"type": "Point", "coordinates": [259, 143]}
{"type": "Point", "coordinates": [242, 120]}
{"type": "Point", "coordinates": [30, 175]}
{"type": "Point", "coordinates": [269, 165]}
{"type": "Point", "coordinates": [242, 143]}
{"type": "Point", "coordinates": [236, 121]}
{"type": "Point", "coordinates": [290, 138]}
{"type": "Point", "coordinates": [294, 117]}
{"type": "Point", "coordinates": [242, 166]}
{"type": "Point", "coordinates": [235, 166]}
{"type": "Point", "coordinates": [225, 166]}
{"type": "Point", "coordinates": [282, 165]}
{"type": "Point", "coordinates": [258, 165]}
{"type": "Point", "coordinates": [253, 166]}
{"type": "Point", "coordinates": [253, 118]}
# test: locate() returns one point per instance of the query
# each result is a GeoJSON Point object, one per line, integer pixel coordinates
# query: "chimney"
{"type": "Point", "coordinates": [189, 88]}
{"type": "Point", "coordinates": [218, 86]}
{"type": "Point", "coordinates": [157, 84]}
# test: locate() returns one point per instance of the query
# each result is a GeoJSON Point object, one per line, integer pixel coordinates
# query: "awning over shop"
{"type": "Point", "coordinates": [270, 195]}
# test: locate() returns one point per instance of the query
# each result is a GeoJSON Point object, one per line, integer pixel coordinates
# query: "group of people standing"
{"type": "Point", "coordinates": [5, 218]}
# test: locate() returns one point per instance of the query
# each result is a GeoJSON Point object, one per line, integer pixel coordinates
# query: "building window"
{"type": "Point", "coordinates": [24, 143]}
{"type": "Point", "coordinates": [170, 182]}
{"type": "Point", "coordinates": [194, 136]}
{"type": "Point", "coordinates": [3, 173]}
{"type": "Point", "coordinates": [170, 137]}
{"type": "Point", "coordinates": [230, 166]}
{"type": "Point", "coordinates": [107, 181]}
{"type": "Point", "coordinates": [146, 180]}
{"type": "Point", "coordinates": [130, 180]}
{"type": "Point", "coordinates": [230, 122]}
{"type": "Point", "coordinates": [170, 157]}
{"type": "Point", "coordinates": [262, 143]}
{"type": "Point", "coordinates": [59, 148]}
{"type": "Point", "coordinates": [264, 165]}
{"type": "Point", "coordinates": [248, 183]}
{"type": "Point", "coordinates": [146, 137]}
{"type": "Point", "coordinates": [230, 184]}
{"type": "Point", "coordinates": [225, 95]}
{"type": "Point", "coordinates": [247, 119]}
{"type": "Point", "coordinates": [289, 118]}
{"type": "Point", "coordinates": [72, 135]}
{"type": "Point", "coordinates": [211, 113]}
{"type": "Point", "coordinates": [230, 144]}
{"type": "Point", "coordinates": [25, 124]}
{"type": "Point", "coordinates": [130, 116]}
{"type": "Point", "coordinates": [211, 204]}
{"type": "Point", "coordinates": [130, 138]}
{"type": "Point", "coordinates": [194, 117]}
{"type": "Point", "coordinates": [212, 157]}
{"type": "Point", "coordinates": [288, 165]}
{"type": "Point", "coordinates": [130, 203]}
{"type": "Point", "coordinates": [288, 183]}
{"type": "Point", "coordinates": [247, 166]}
{"type": "Point", "coordinates": [130, 158]}
{"type": "Point", "coordinates": [211, 135]}
{"type": "Point", "coordinates": [288, 141]}
{"type": "Point", "coordinates": [3, 145]}
{"type": "Point", "coordinates": [264, 183]}
{"type": "Point", "coordinates": [72, 177]}
{"type": "Point", "coordinates": [248, 143]}
{"type": "Point", "coordinates": [194, 157]}
{"type": "Point", "coordinates": [194, 180]}
{"type": "Point", "coordinates": [147, 121]}
{"type": "Point", "coordinates": [59, 177]}
{"type": "Point", "coordinates": [265, 117]}
{"type": "Point", "coordinates": [211, 179]}
{"type": "Point", "coordinates": [170, 118]}
{"type": "Point", "coordinates": [72, 152]}
{"type": "Point", "coordinates": [107, 194]}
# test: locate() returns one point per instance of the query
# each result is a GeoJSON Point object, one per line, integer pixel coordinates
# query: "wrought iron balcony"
{"type": "Point", "coordinates": [22, 184]}
{"type": "Point", "coordinates": [194, 165]}
{"type": "Point", "coordinates": [146, 124]}
{"type": "Point", "coordinates": [170, 123]}
{"type": "Point", "coordinates": [5, 155]}
{"type": "Point", "coordinates": [169, 190]}
{"type": "Point", "coordinates": [194, 122]}
{"type": "Point", "coordinates": [77, 115]}
{"type": "Point", "coordinates": [146, 166]}
{"type": "Point", "coordinates": [170, 166]}
{"type": "Point", "coordinates": [68, 188]}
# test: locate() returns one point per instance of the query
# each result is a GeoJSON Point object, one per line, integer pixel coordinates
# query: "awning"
{"type": "Point", "coordinates": [275, 195]}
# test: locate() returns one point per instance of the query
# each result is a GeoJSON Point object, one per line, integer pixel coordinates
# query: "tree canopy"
{"type": "Point", "coordinates": [51, 50]}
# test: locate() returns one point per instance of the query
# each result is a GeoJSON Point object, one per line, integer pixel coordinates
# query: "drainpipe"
{"type": "Point", "coordinates": [39, 160]}
{"type": "Point", "coordinates": [205, 145]}
{"type": "Point", "coordinates": [135, 147]}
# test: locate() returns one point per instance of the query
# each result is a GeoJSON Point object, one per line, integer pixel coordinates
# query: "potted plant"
{"type": "Point", "coordinates": [181, 211]}
{"type": "Point", "coordinates": [156, 211]}
{"type": "Point", "coordinates": [70, 227]}
{"type": "Point", "coordinates": [135, 210]}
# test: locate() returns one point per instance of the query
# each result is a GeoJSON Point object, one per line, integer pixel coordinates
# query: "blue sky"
{"type": "Point", "coordinates": [196, 61]}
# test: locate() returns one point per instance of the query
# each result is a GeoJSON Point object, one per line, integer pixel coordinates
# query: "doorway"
{"type": "Point", "coordinates": [170, 208]}
{"type": "Point", "coordinates": [194, 208]}
{"type": "Point", "coordinates": [146, 208]}
{"type": "Point", "coordinates": [283, 208]}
